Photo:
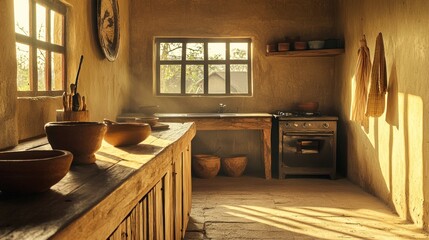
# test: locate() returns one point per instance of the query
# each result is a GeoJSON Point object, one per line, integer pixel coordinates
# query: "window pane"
{"type": "Point", "coordinates": [239, 78]}
{"type": "Point", "coordinates": [217, 51]}
{"type": "Point", "coordinates": [195, 51]}
{"type": "Point", "coordinates": [23, 67]}
{"type": "Point", "coordinates": [41, 70]}
{"type": "Point", "coordinates": [170, 76]}
{"type": "Point", "coordinates": [57, 69]}
{"type": "Point", "coordinates": [238, 51]}
{"type": "Point", "coordinates": [57, 23]}
{"type": "Point", "coordinates": [217, 83]}
{"type": "Point", "coordinates": [170, 51]}
{"type": "Point", "coordinates": [194, 79]}
{"type": "Point", "coordinates": [40, 22]}
{"type": "Point", "coordinates": [22, 20]}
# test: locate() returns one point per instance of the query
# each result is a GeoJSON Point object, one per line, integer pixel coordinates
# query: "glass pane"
{"type": "Point", "coordinates": [217, 51]}
{"type": "Point", "coordinates": [22, 14]}
{"type": "Point", "coordinates": [41, 70]}
{"type": "Point", "coordinates": [23, 67]}
{"type": "Point", "coordinates": [195, 51]}
{"type": "Point", "coordinates": [194, 79]}
{"type": "Point", "coordinates": [170, 76]}
{"type": "Point", "coordinates": [40, 22]}
{"type": "Point", "coordinates": [238, 51]}
{"type": "Point", "coordinates": [170, 51]}
{"type": "Point", "coordinates": [57, 71]}
{"type": "Point", "coordinates": [217, 83]}
{"type": "Point", "coordinates": [239, 78]}
{"type": "Point", "coordinates": [57, 23]}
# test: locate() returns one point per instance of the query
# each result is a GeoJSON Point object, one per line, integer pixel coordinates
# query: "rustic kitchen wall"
{"type": "Point", "coordinates": [105, 84]}
{"type": "Point", "coordinates": [278, 82]}
{"type": "Point", "coordinates": [8, 126]}
{"type": "Point", "coordinates": [390, 159]}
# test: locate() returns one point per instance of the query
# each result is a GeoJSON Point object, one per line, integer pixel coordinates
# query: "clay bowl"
{"type": "Point", "coordinates": [316, 44]}
{"type": "Point", "coordinates": [125, 134]}
{"type": "Point", "coordinates": [82, 139]}
{"type": "Point", "coordinates": [234, 166]}
{"type": "Point", "coordinates": [33, 171]}
{"type": "Point", "coordinates": [205, 166]}
{"type": "Point", "coordinates": [308, 107]}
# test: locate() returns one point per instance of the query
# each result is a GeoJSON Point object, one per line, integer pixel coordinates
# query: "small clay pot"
{"type": "Point", "coordinates": [234, 166]}
{"type": "Point", "coordinates": [283, 47]}
{"type": "Point", "coordinates": [300, 45]}
{"type": "Point", "coordinates": [82, 139]}
{"type": "Point", "coordinates": [205, 166]}
{"type": "Point", "coordinates": [32, 171]}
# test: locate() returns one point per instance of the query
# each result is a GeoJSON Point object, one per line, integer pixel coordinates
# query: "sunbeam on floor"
{"type": "Point", "coordinates": [304, 208]}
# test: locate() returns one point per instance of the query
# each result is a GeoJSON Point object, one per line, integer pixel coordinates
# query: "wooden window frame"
{"type": "Point", "coordinates": [46, 45]}
{"type": "Point", "coordinates": [206, 62]}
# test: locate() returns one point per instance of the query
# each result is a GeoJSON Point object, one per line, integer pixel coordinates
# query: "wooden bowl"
{"type": "Point", "coordinates": [33, 171]}
{"type": "Point", "coordinates": [205, 166]}
{"type": "Point", "coordinates": [234, 166]}
{"type": "Point", "coordinates": [308, 107]}
{"type": "Point", "coordinates": [82, 139]}
{"type": "Point", "coordinates": [125, 134]}
{"type": "Point", "coordinates": [152, 121]}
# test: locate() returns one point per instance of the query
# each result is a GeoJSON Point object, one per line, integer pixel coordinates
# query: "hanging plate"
{"type": "Point", "coordinates": [108, 27]}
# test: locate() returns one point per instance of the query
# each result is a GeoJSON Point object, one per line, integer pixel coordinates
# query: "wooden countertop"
{"type": "Point", "coordinates": [92, 199]}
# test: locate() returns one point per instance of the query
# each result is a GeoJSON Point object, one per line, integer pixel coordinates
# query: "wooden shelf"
{"type": "Point", "coordinates": [308, 53]}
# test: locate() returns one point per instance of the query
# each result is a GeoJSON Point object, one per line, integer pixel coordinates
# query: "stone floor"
{"type": "Point", "coordinates": [255, 208]}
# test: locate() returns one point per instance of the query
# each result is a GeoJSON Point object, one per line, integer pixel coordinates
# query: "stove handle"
{"type": "Point", "coordinates": [313, 134]}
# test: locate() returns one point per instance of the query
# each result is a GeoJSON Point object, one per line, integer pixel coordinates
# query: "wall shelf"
{"type": "Point", "coordinates": [308, 53]}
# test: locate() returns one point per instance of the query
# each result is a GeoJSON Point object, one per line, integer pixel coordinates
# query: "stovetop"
{"type": "Point", "coordinates": [304, 116]}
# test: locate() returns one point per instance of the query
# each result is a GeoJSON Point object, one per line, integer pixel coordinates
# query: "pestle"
{"type": "Point", "coordinates": [76, 96]}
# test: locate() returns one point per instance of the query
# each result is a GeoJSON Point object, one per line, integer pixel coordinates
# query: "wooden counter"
{"type": "Point", "coordinates": [141, 192]}
{"type": "Point", "coordinates": [231, 121]}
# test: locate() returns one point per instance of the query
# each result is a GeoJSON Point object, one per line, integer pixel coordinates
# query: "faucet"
{"type": "Point", "coordinates": [221, 108]}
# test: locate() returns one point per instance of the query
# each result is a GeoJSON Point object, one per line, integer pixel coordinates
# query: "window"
{"type": "Point", "coordinates": [40, 47]}
{"type": "Point", "coordinates": [209, 67]}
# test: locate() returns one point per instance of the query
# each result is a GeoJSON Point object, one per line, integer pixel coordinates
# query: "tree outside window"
{"type": "Point", "coordinates": [203, 66]}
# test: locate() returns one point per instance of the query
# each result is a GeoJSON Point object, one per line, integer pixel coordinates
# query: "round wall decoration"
{"type": "Point", "coordinates": [108, 27]}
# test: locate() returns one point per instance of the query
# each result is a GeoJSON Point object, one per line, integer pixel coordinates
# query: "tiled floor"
{"type": "Point", "coordinates": [255, 208]}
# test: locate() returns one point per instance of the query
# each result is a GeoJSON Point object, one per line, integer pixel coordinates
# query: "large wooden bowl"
{"type": "Point", "coordinates": [125, 134]}
{"type": "Point", "coordinates": [205, 166]}
{"type": "Point", "coordinates": [82, 139]}
{"type": "Point", "coordinates": [33, 171]}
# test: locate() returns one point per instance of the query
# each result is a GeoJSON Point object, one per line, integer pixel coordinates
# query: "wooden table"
{"type": "Point", "coordinates": [231, 121]}
{"type": "Point", "coordinates": [141, 191]}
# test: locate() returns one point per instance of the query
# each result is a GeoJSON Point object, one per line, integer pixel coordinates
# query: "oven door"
{"type": "Point", "coordinates": [308, 150]}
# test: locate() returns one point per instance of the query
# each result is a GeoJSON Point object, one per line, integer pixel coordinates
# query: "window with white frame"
{"type": "Point", "coordinates": [203, 66]}
{"type": "Point", "coordinates": [40, 47]}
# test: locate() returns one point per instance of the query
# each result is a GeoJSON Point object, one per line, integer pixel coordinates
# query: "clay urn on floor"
{"type": "Point", "coordinates": [234, 166]}
{"type": "Point", "coordinates": [82, 139]}
{"type": "Point", "coordinates": [205, 166]}
{"type": "Point", "coordinates": [32, 171]}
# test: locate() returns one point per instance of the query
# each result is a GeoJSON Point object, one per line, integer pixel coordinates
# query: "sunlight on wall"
{"type": "Point", "coordinates": [414, 157]}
